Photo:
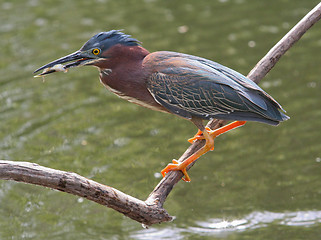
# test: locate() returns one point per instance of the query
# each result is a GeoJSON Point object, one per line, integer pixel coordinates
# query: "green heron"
{"type": "Point", "coordinates": [191, 87]}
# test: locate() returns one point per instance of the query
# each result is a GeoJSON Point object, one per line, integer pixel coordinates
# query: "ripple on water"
{"type": "Point", "coordinates": [258, 220]}
{"type": "Point", "coordinates": [35, 126]}
{"type": "Point", "coordinates": [252, 221]}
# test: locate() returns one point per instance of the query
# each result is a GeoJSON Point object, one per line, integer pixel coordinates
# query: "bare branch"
{"type": "Point", "coordinates": [75, 184]}
{"type": "Point", "coordinates": [273, 56]}
{"type": "Point", "coordinates": [151, 211]}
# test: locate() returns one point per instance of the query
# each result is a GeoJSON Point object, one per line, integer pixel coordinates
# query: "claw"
{"type": "Point", "coordinates": [198, 136]}
{"type": "Point", "coordinates": [175, 166]}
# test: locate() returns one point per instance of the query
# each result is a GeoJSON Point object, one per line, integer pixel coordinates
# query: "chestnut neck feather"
{"type": "Point", "coordinates": [126, 75]}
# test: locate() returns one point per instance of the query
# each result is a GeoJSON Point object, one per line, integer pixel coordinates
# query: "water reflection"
{"type": "Point", "coordinates": [221, 227]}
{"type": "Point", "coordinates": [259, 220]}
{"type": "Point", "coordinates": [36, 126]}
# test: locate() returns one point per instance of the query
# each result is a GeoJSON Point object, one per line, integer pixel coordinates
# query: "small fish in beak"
{"type": "Point", "coordinates": [55, 68]}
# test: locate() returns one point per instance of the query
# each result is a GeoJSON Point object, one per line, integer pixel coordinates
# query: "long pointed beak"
{"type": "Point", "coordinates": [79, 59]}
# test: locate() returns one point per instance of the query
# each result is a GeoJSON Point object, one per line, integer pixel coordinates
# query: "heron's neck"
{"type": "Point", "coordinates": [121, 56]}
{"type": "Point", "coordinates": [127, 77]}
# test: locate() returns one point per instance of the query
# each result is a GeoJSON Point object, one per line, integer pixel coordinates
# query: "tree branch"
{"type": "Point", "coordinates": [150, 211]}
{"type": "Point", "coordinates": [77, 185]}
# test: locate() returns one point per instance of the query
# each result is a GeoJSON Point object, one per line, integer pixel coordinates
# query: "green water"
{"type": "Point", "coordinates": [261, 182]}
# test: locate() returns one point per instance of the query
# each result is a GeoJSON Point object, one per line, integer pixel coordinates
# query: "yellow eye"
{"type": "Point", "coordinates": [96, 51]}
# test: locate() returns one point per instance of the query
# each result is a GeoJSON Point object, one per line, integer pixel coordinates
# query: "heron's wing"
{"type": "Point", "coordinates": [236, 77]}
{"type": "Point", "coordinates": [190, 86]}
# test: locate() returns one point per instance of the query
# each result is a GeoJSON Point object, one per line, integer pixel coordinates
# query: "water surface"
{"type": "Point", "coordinates": [261, 182]}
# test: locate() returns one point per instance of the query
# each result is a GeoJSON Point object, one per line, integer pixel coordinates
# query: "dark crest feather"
{"type": "Point", "coordinates": [110, 38]}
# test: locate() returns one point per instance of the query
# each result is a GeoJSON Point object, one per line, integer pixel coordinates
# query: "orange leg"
{"type": "Point", "coordinates": [217, 132]}
{"type": "Point", "coordinates": [226, 128]}
{"type": "Point", "coordinates": [175, 166]}
{"type": "Point", "coordinates": [209, 136]}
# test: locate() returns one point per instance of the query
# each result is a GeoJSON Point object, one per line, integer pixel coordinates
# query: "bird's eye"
{"type": "Point", "coordinates": [96, 51]}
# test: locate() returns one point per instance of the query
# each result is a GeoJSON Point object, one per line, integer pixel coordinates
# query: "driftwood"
{"type": "Point", "coordinates": [151, 210]}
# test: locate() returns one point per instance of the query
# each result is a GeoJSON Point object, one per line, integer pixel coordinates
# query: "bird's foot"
{"type": "Point", "coordinates": [181, 166]}
{"type": "Point", "coordinates": [199, 136]}
{"type": "Point", "coordinates": [176, 166]}
{"type": "Point", "coordinates": [209, 135]}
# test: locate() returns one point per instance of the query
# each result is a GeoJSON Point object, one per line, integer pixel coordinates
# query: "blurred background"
{"type": "Point", "coordinates": [261, 182]}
